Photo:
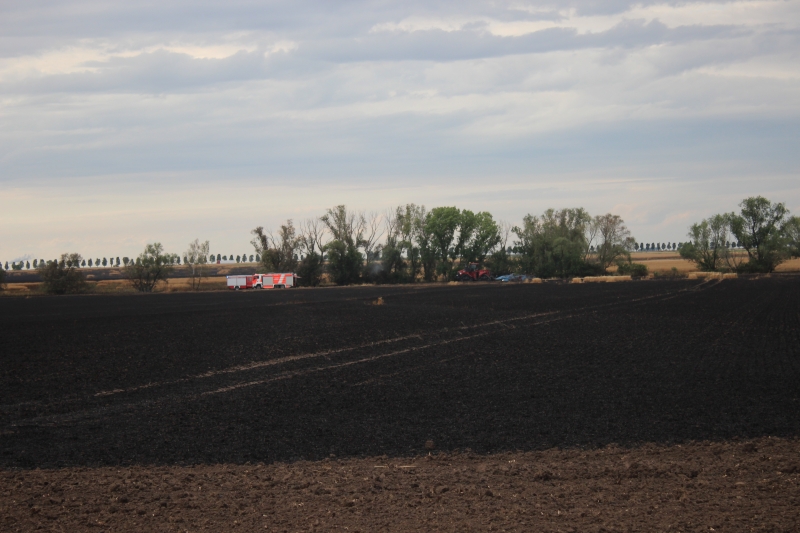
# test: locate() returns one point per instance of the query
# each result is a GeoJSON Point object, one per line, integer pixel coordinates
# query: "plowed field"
{"type": "Point", "coordinates": [653, 405]}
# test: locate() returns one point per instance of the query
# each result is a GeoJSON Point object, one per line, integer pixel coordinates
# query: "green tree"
{"type": "Point", "coordinates": [555, 244]}
{"type": "Point", "coordinates": [410, 219]}
{"type": "Point", "coordinates": [345, 261]}
{"type": "Point", "coordinates": [614, 241]}
{"type": "Point", "coordinates": [278, 254]}
{"type": "Point", "coordinates": [500, 261]}
{"type": "Point", "coordinates": [761, 228]}
{"type": "Point", "coordinates": [706, 248]}
{"type": "Point", "coordinates": [2, 278]}
{"type": "Point", "coordinates": [792, 234]}
{"type": "Point", "coordinates": [63, 276]}
{"type": "Point", "coordinates": [152, 267]}
{"type": "Point", "coordinates": [105, 262]}
{"type": "Point", "coordinates": [483, 236]}
{"type": "Point", "coordinates": [393, 265]}
{"type": "Point", "coordinates": [441, 224]}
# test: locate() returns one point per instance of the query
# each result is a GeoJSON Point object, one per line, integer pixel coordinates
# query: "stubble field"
{"type": "Point", "coordinates": [652, 405]}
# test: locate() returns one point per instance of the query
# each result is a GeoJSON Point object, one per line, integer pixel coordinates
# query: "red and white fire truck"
{"type": "Point", "coordinates": [273, 280]}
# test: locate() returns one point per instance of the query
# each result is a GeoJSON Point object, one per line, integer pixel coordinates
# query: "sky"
{"type": "Point", "coordinates": [123, 123]}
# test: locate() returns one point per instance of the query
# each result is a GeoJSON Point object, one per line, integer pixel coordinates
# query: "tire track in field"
{"type": "Point", "coordinates": [172, 395]}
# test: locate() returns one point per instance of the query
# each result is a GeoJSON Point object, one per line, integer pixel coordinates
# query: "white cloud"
{"type": "Point", "coordinates": [614, 105]}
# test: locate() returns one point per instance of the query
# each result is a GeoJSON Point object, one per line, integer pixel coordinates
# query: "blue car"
{"type": "Point", "coordinates": [512, 277]}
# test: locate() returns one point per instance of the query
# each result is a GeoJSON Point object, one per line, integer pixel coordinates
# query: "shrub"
{"type": "Point", "coordinates": [151, 267]}
{"type": "Point", "coordinates": [632, 269]}
{"type": "Point", "coordinates": [63, 276]}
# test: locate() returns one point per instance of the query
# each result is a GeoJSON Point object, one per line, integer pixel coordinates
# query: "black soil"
{"type": "Point", "coordinates": [265, 376]}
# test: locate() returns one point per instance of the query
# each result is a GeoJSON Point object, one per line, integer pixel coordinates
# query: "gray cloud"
{"type": "Point", "coordinates": [102, 99]}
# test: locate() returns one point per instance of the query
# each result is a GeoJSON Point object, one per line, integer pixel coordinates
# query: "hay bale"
{"type": "Point", "coordinates": [730, 275]}
{"type": "Point", "coordinates": [691, 275]}
{"type": "Point", "coordinates": [620, 278]}
{"type": "Point", "coordinates": [534, 280]}
{"type": "Point", "coordinates": [576, 280]}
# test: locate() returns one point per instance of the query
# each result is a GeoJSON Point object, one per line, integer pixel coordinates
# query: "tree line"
{"type": "Point", "coordinates": [410, 243]}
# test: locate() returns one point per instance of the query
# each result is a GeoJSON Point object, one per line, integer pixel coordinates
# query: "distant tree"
{"type": "Point", "coordinates": [500, 261]}
{"type": "Point", "coordinates": [702, 250]}
{"type": "Point", "coordinates": [105, 262]}
{"type": "Point", "coordinates": [196, 257]}
{"type": "Point", "coordinates": [125, 261]}
{"type": "Point", "coordinates": [151, 268]}
{"type": "Point", "coordinates": [35, 263]}
{"type": "Point", "coordinates": [311, 240]}
{"type": "Point", "coordinates": [345, 261]}
{"type": "Point", "coordinates": [83, 262]}
{"type": "Point", "coordinates": [278, 253]}
{"type": "Point", "coordinates": [238, 257]}
{"type": "Point", "coordinates": [27, 265]}
{"type": "Point", "coordinates": [792, 234]}
{"type": "Point", "coordinates": [614, 240]}
{"type": "Point", "coordinates": [224, 257]}
{"type": "Point", "coordinates": [117, 261]}
{"type": "Point", "coordinates": [218, 258]}
{"type": "Point", "coordinates": [761, 227]}
{"type": "Point", "coordinates": [90, 262]}
{"type": "Point", "coordinates": [16, 266]}
{"type": "Point", "coordinates": [63, 276]}
{"type": "Point", "coordinates": [251, 258]}
{"type": "Point", "coordinates": [6, 266]}
{"type": "Point", "coordinates": [258, 258]}
{"type": "Point", "coordinates": [2, 278]}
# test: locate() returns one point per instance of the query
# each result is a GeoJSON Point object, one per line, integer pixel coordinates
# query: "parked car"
{"type": "Point", "coordinates": [512, 277]}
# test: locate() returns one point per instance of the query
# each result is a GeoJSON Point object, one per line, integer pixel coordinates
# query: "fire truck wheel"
{"type": "Point", "coordinates": [237, 287]}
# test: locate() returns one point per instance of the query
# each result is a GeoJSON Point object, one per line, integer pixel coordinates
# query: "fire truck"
{"type": "Point", "coordinates": [273, 280]}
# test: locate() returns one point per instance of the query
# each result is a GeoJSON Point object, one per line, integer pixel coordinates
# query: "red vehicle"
{"type": "Point", "coordinates": [474, 273]}
{"type": "Point", "coordinates": [273, 280]}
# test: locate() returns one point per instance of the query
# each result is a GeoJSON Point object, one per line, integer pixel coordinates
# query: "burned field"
{"type": "Point", "coordinates": [167, 384]}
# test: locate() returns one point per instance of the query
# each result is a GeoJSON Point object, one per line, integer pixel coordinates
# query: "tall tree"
{"type": "Point", "coordinates": [152, 267]}
{"type": "Point", "coordinates": [705, 248]}
{"type": "Point", "coordinates": [344, 258]}
{"type": "Point", "coordinates": [441, 224]}
{"type": "Point", "coordinates": [614, 240]}
{"type": "Point", "coordinates": [278, 253]}
{"type": "Point", "coordinates": [760, 227]}
{"type": "Point", "coordinates": [312, 243]}
{"type": "Point", "coordinates": [196, 257]}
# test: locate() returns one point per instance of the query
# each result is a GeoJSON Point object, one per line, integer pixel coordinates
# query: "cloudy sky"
{"type": "Point", "coordinates": [123, 123]}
